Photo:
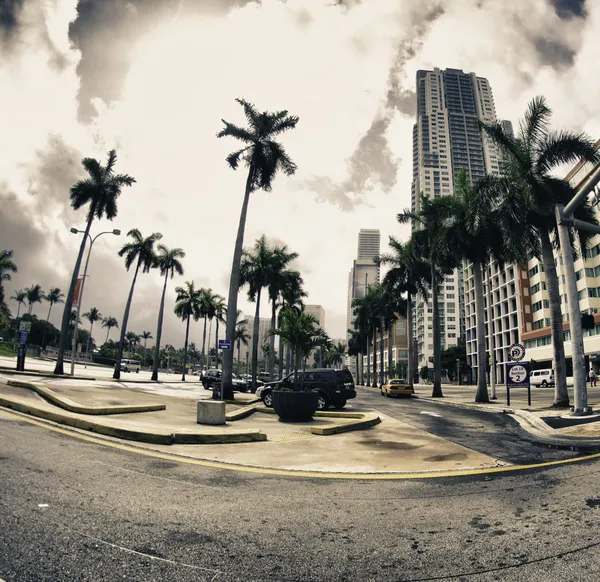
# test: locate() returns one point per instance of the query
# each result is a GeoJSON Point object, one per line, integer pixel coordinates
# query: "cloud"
{"type": "Point", "coordinates": [79, 79]}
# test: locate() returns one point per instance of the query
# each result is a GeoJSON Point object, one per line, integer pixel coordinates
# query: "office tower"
{"type": "Point", "coordinates": [318, 312]}
{"type": "Point", "coordinates": [447, 139]}
{"type": "Point", "coordinates": [364, 271]}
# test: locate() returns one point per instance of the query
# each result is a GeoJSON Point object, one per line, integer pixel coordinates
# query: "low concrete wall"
{"type": "Point", "coordinates": [210, 412]}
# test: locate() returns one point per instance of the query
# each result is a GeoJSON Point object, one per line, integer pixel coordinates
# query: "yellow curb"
{"type": "Point", "coordinates": [71, 406]}
{"type": "Point", "coordinates": [303, 474]}
{"type": "Point", "coordinates": [159, 437]}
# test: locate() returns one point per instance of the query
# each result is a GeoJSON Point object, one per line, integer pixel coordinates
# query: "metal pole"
{"type": "Point", "coordinates": [79, 299]}
{"type": "Point", "coordinates": [457, 372]}
{"type": "Point", "coordinates": [491, 335]}
{"type": "Point", "coordinates": [577, 351]}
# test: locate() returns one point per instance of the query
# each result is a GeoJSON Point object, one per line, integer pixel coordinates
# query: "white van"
{"type": "Point", "coordinates": [545, 378]}
{"type": "Point", "coordinates": [130, 366]}
{"type": "Point", "coordinates": [542, 377]}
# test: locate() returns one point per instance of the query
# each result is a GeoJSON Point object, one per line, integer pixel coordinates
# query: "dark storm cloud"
{"type": "Point", "coordinates": [9, 12]}
{"type": "Point", "coordinates": [554, 53]}
{"type": "Point", "coordinates": [106, 30]}
{"type": "Point", "coordinates": [569, 8]}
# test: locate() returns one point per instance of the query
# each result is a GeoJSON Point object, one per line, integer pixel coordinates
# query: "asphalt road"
{"type": "Point", "coordinates": [497, 435]}
{"type": "Point", "coordinates": [71, 510]}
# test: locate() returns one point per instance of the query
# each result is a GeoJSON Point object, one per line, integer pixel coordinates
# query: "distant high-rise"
{"type": "Point", "coordinates": [447, 139]}
{"type": "Point", "coordinates": [364, 271]}
{"type": "Point", "coordinates": [318, 312]}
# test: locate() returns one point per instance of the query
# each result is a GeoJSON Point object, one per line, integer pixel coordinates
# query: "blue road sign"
{"type": "Point", "coordinates": [22, 337]}
{"type": "Point", "coordinates": [224, 344]}
{"type": "Point", "coordinates": [517, 374]}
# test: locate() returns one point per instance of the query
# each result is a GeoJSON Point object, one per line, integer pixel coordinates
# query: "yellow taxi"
{"type": "Point", "coordinates": [396, 387]}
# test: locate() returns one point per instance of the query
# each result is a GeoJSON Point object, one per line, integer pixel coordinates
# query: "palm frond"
{"type": "Point", "coordinates": [534, 125]}
{"type": "Point", "coordinates": [565, 147]}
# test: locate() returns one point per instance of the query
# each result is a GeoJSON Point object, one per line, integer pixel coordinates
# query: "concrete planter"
{"type": "Point", "coordinates": [296, 406]}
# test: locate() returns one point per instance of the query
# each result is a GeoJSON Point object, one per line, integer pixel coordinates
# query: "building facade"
{"type": "Point", "coordinates": [264, 325]}
{"type": "Point", "coordinates": [446, 140]}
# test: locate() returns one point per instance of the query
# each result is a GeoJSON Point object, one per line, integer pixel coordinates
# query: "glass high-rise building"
{"type": "Point", "coordinates": [447, 139]}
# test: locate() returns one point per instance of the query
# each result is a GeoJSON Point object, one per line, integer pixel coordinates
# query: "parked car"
{"type": "Point", "coordinates": [130, 366]}
{"type": "Point", "coordinates": [211, 376]}
{"type": "Point", "coordinates": [396, 387]}
{"type": "Point", "coordinates": [264, 377]}
{"type": "Point", "coordinates": [334, 387]}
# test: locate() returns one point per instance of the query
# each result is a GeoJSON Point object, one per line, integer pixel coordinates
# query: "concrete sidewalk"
{"type": "Point", "coordinates": [389, 447]}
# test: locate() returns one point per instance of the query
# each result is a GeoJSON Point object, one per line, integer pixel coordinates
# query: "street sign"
{"type": "Point", "coordinates": [22, 337]}
{"type": "Point", "coordinates": [224, 344]}
{"type": "Point", "coordinates": [25, 326]}
{"type": "Point", "coordinates": [517, 376]}
{"type": "Point", "coordinates": [516, 352]}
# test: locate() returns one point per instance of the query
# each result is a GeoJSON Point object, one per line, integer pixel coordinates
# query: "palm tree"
{"type": "Point", "coordinates": [132, 339]}
{"type": "Point", "coordinates": [431, 222]}
{"type": "Point", "coordinates": [100, 190]}
{"type": "Point", "coordinates": [55, 295]}
{"type": "Point", "coordinates": [335, 354]}
{"type": "Point", "coordinates": [187, 305]}
{"type": "Point", "coordinates": [109, 322]}
{"type": "Point", "coordinates": [292, 296]}
{"type": "Point", "coordinates": [264, 157]}
{"type": "Point", "coordinates": [146, 335]}
{"type": "Point", "coordinates": [530, 197]}
{"type": "Point", "coordinates": [168, 261]}
{"type": "Point", "coordinates": [207, 311]}
{"type": "Point", "coordinates": [362, 325]}
{"type": "Point", "coordinates": [301, 330]}
{"type": "Point", "coordinates": [140, 251]}
{"type": "Point", "coordinates": [277, 281]}
{"type": "Point", "coordinates": [220, 312]}
{"type": "Point", "coordinates": [20, 297]}
{"type": "Point", "coordinates": [409, 274]}
{"type": "Point", "coordinates": [7, 266]}
{"type": "Point", "coordinates": [34, 295]}
{"type": "Point", "coordinates": [256, 268]}
{"type": "Point", "coordinates": [93, 315]}
{"type": "Point", "coordinates": [241, 337]}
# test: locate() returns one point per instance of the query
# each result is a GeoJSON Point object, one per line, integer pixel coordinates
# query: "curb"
{"type": "Point", "coordinates": [156, 437]}
{"type": "Point", "coordinates": [363, 420]}
{"type": "Point", "coordinates": [474, 406]}
{"type": "Point", "coordinates": [241, 413]}
{"type": "Point", "coordinates": [68, 404]}
{"type": "Point", "coordinates": [41, 374]}
{"type": "Point", "coordinates": [544, 434]}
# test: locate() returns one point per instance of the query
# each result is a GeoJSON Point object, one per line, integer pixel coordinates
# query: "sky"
{"type": "Point", "coordinates": [154, 78]}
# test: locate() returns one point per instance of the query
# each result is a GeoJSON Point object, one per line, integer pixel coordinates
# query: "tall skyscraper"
{"type": "Point", "coordinates": [364, 271]}
{"type": "Point", "coordinates": [318, 312]}
{"type": "Point", "coordinates": [447, 139]}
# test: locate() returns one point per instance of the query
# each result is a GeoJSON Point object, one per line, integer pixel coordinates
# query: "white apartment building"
{"type": "Point", "coordinates": [536, 334]}
{"type": "Point", "coordinates": [446, 139]}
{"type": "Point", "coordinates": [318, 312]}
{"type": "Point", "coordinates": [264, 325]}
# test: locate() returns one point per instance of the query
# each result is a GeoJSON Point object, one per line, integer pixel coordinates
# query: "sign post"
{"type": "Point", "coordinates": [517, 376]}
{"type": "Point", "coordinates": [24, 328]}
{"type": "Point", "coordinates": [225, 344]}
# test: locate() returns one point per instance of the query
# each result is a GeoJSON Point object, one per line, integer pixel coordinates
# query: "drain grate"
{"type": "Point", "coordinates": [291, 436]}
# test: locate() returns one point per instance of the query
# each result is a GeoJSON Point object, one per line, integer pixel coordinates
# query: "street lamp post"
{"type": "Point", "coordinates": [457, 371]}
{"type": "Point", "coordinates": [116, 232]}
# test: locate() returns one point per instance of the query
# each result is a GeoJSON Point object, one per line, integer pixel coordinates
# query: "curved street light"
{"type": "Point", "coordinates": [116, 232]}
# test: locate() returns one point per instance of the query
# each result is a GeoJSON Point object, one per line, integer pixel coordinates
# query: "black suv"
{"type": "Point", "coordinates": [334, 387]}
{"type": "Point", "coordinates": [211, 376]}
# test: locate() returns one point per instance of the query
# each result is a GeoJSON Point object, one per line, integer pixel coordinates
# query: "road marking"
{"type": "Point", "coordinates": [431, 413]}
{"type": "Point", "coordinates": [306, 474]}
{"type": "Point", "coordinates": [43, 505]}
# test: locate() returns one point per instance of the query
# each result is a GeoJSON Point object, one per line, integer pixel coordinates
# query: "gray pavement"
{"type": "Point", "coordinates": [76, 511]}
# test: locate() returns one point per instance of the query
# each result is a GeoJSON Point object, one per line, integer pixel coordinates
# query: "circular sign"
{"type": "Point", "coordinates": [517, 374]}
{"type": "Point", "coordinates": [516, 352]}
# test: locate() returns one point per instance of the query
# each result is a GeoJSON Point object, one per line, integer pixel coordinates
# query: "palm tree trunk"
{"type": "Point", "coordinates": [368, 362]}
{"type": "Point", "coordinates": [375, 356]}
{"type": "Point", "coordinates": [255, 340]}
{"type": "Point", "coordinates": [107, 332]}
{"type": "Point", "coordinates": [381, 367]}
{"type": "Point", "coordinates": [272, 344]}
{"type": "Point", "coordinates": [217, 341]}
{"type": "Point", "coordinates": [117, 370]}
{"type": "Point", "coordinates": [437, 339]}
{"type": "Point", "coordinates": [410, 339]}
{"type": "Point", "coordinates": [19, 309]}
{"type": "Point", "coordinates": [204, 344]}
{"type": "Point", "coordinates": [185, 348]}
{"type": "Point", "coordinates": [159, 332]}
{"type": "Point", "coordinates": [66, 318]}
{"type": "Point", "coordinates": [561, 394]}
{"type": "Point", "coordinates": [234, 286]}
{"type": "Point", "coordinates": [30, 308]}
{"type": "Point", "coordinates": [390, 359]}
{"type": "Point", "coordinates": [45, 327]}
{"type": "Point", "coordinates": [482, 392]}
{"type": "Point", "coordinates": [87, 347]}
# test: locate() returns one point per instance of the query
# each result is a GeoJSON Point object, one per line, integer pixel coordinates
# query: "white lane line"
{"type": "Point", "coordinates": [43, 505]}
{"type": "Point", "coordinates": [431, 413]}
{"type": "Point", "coordinates": [149, 556]}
